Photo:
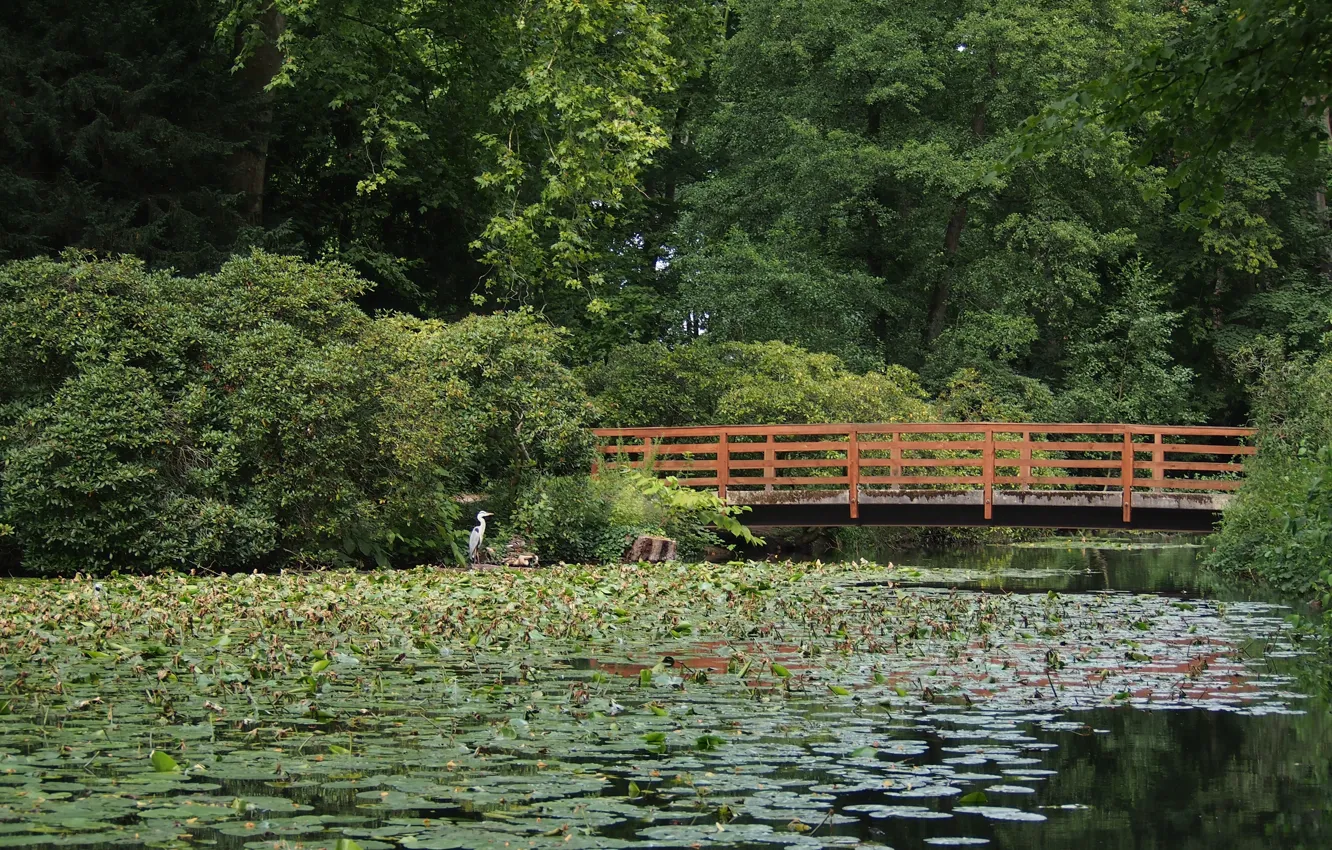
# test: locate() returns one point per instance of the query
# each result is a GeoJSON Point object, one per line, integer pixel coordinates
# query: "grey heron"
{"type": "Point", "coordinates": [478, 534]}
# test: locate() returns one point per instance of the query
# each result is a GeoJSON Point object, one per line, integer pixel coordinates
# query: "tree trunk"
{"type": "Point", "coordinates": [249, 163]}
{"type": "Point", "coordinates": [1320, 195]}
{"type": "Point", "coordinates": [957, 222]}
{"type": "Point", "coordinates": [943, 287]}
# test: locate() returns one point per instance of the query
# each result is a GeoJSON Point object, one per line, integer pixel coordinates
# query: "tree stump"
{"type": "Point", "coordinates": [519, 554]}
{"type": "Point", "coordinates": [653, 550]}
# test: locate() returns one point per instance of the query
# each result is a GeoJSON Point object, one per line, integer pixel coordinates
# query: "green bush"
{"type": "Point", "coordinates": [256, 416]}
{"type": "Point", "coordinates": [706, 383]}
{"type": "Point", "coordinates": [594, 519]}
{"type": "Point", "coordinates": [970, 395]}
{"type": "Point", "coordinates": [583, 519]}
{"type": "Point", "coordinates": [1279, 528]}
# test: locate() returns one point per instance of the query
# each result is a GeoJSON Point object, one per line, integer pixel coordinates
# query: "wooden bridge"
{"type": "Point", "coordinates": [1038, 475]}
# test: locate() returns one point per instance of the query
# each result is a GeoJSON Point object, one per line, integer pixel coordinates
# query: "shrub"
{"type": "Point", "coordinates": [594, 519]}
{"type": "Point", "coordinates": [973, 396]}
{"type": "Point", "coordinates": [255, 416]}
{"type": "Point", "coordinates": [583, 519]}
{"type": "Point", "coordinates": [704, 383]}
{"type": "Point", "coordinates": [1279, 528]}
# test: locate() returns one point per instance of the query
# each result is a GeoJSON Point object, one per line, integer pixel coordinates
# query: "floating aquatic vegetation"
{"type": "Point", "coordinates": [1111, 543]}
{"type": "Point", "coordinates": [571, 707]}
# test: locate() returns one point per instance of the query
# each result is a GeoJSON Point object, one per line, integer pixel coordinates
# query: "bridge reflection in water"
{"type": "Point", "coordinates": [1030, 474]}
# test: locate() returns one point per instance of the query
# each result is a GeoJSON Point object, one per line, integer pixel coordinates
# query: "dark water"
{"type": "Point", "coordinates": [1167, 565]}
{"type": "Point", "coordinates": [1155, 776]}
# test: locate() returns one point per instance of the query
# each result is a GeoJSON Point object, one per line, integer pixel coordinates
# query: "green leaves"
{"type": "Point", "coordinates": [163, 763]}
{"type": "Point", "coordinates": [1221, 80]}
{"type": "Point", "coordinates": [381, 419]}
{"type": "Point", "coordinates": [598, 138]}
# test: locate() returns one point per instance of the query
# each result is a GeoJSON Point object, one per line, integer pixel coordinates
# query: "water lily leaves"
{"type": "Point", "coordinates": [928, 790]}
{"type": "Point", "coordinates": [881, 812]}
{"type": "Point", "coordinates": [424, 702]}
{"type": "Point", "coordinates": [163, 763]}
{"type": "Point", "coordinates": [1000, 813]}
{"type": "Point", "coordinates": [722, 835]}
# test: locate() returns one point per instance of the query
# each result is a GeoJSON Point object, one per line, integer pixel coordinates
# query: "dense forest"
{"type": "Point", "coordinates": [459, 232]}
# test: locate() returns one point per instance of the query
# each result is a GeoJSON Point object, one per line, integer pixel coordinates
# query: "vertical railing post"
{"type": "Point", "coordinates": [723, 464]}
{"type": "Point", "coordinates": [1024, 460]}
{"type": "Point", "coordinates": [894, 454]}
{"type": "Point", "coordinates": [769, 462]}
{"type": "Point", "coordinates": [647, 452]}
{"type": "Point", "coordinates": [853, 472]}
{"type": "Point", "coordinates": [1158, 461]}
{"type": "Point", "coordinates": [987, 475]}
{"type": "Point", "coordinates": [1126, 473]}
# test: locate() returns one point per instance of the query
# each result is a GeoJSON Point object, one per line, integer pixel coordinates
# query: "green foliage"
{"type": "Point", "coordinates": [551, 109]}
{"type": "Point", "coordinates": [254, 416]}
{"type": "Point", "coordinates": [815, 172]}
{"type": "Point", "coordinates": [757, 292]}
{"type": "Point", "coordinates": [527, 410]}
{"type": "Point", "coordinates": [1121, 370]}
{"type": "Point", "coordinates": [971, 395]}
{"type": "Point", "coordinates": [117, 123]}
{"type": "Point", "coordinates": [1234, 72]}
{"type": "Point", "coordinates": [1279, 529]}
{"type": "Point", "coordinates": [581, 519]}
{"type": "Point", "coordinates": [584, 519]}
{"type": "Point", "coordinates": [704, 382]}
{"type": "Point", "coordinates": [687, 507]}
{"type": "Point", "coordinates": [844, 205]}
{"type": "Point", "coordinates": [845, 188]}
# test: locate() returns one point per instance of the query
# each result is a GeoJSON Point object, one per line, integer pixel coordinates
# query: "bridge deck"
{"type": "Point", "coordinates": [1030, 474]}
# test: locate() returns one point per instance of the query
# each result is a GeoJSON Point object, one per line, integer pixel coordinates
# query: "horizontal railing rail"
{"type": "Point", "coordinates": [985, 456]}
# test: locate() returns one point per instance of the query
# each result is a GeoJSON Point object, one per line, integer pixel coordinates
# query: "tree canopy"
{"type": "Point", "coordinates": [838, 176]}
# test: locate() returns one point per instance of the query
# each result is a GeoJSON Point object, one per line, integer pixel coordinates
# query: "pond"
{"type": "Point", "coordinates": [1070, 695]}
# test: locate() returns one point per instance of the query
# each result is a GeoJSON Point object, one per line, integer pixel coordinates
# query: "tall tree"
{"type": "Point", "coordinates": [1227, 72]}
{"type": "Point", "coordinates": [856, 141]}
{"type": "Point", "coordinates": [116, 123]}
{"type": "Point", "coordinates": [552, 109]}
{"type": "Point", "coordinates": [851, 202]}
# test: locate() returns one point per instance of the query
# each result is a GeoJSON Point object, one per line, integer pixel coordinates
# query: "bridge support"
{"type": "Point", "coordinates": [1187, 512]}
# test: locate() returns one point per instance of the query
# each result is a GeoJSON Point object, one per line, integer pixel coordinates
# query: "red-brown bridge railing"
{"type": "Point", "coordinates": [957, 456]}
